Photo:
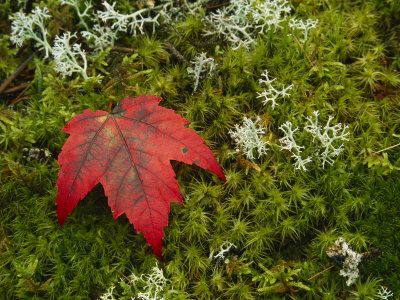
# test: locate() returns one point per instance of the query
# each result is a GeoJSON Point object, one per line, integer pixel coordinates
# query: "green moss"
{"type": "Point", "coordinates": [281, 220]}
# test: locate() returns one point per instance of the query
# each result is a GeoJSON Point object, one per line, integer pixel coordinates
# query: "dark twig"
{"type": "Point", "coordinates": [217, 5]}
{"type": "Point", "coordinates": [123, 49]}
{"type": "Point", "coordinates": [175, 52]}
{"type": "Point", "coordinates": [18, 98]}
{"type": "Point", "coordinates": [16, 72]}
{"type": "Point", "coordinates": [15, 88]}
{"type": "Point", "coordinates": [368, 254]}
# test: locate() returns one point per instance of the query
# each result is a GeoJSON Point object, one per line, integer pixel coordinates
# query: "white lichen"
{"type": "Point", "coordinates": [108, 295]}
{"type": "Point", "coordinates": [350, 264]}
{"type": "Point", "coordinates": [202, 67]}
{"type": "Point", "coordinates": [249, 138]}
{"type": "Point", "coordinates": [172, 10]}
{"type": "Point", "coordinates": [289, 143]}
{"type": "Point", "coordinates": [271, 94]}
{"type": "Point", "coordinates": [67, 56]}
{"type": "Point", "coordinates": [231, 23]}
{"type": "Point", "coordinates": [81, 14]}
{"type": "Point", "coordinates": [326, 137]}
{"type": "Point", "coordinates": [239, 22]}
{"type": "Point", "coordinates": [135, 20]}
{"type": "Point", "coordinates": [384, 293]}
{"type": "Point", "coordinates": [305, 27]}
{"type": "Point", "coordinates": [152, 285]}
{"type": "Point", "coordinates": [269, 14]}
{"type": "Point", "coordinates": [100, 37]}
{"type": "Point", "coordinates": [223, 251]}
{"type": "Point", "coordinates": [325, 140]}
{"type": "Point", "coordinates": [25, 27]}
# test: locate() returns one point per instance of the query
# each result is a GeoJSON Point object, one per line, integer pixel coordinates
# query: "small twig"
{"type": "Point", "coordinates": [15, 88]}
{"type": "Point", "coordinates": [124, 49]}
{"type": "Point", "coordinates": [248, 165]}
{"type": "Point", "coordinates": [16, 72]}
{"type": "Point", "coordinates": [175, 52]}
{"type": "Point", "coordinates": [386, 149]}
{"type": "Point", "coordinates": [319, 273]}
{"type": "Point", "coordinates": [217, 5]}
{"type": "Point", "coordinates": [372, 252]}
{"type": "Point", "coordinates": [17, 99]}
{"type": "Point", "coordinates": [376, 118]}
{"type": "Point", "coordinates": [297, 41]}
{"type": "Point", "coordinates": [331, 96]}
{"type": "Point", "coordinates": [123, 275]}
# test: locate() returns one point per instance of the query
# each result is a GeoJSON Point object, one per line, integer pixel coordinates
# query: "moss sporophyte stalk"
{"type": "Point", "coordinates": [297, 101]}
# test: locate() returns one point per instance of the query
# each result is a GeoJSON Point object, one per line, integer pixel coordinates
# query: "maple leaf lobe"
{"type": "Point", "coordinates": [129, 151]}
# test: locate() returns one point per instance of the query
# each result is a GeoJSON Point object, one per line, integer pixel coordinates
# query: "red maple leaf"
{"type": "Point", "coordinates": [129, 151]}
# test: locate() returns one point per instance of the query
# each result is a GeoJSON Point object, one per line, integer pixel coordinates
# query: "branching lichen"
{"type": "Point", "coordinates": [135, 20]}
{"type": "Point", "coordinates": [239, 22]}
{"type": "Point", "coordinates": [326, 137]}
{"type": "Point", "coordinates": [249, 138]}
{"type": "Point", "coordinates": [289, 143]}
{"type": "Point", "coordinates": [271, 93]}
{"type": "Point", "coordinates": [81, 14]}
{"type": "Point", "coordinates": [203, 67]}
{"type": "Point", "coordinates": [25, 27]}
{"type": "Point", "coordinates": [66, 56]}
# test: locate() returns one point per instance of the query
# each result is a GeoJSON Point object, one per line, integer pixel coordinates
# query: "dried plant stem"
{"type": "Point", "coordinates": [16, 72]}
{"type": "Point", "coordinates": [217, 5]}
{"type": "Point", "coordinates": [15, 88]}
{"type": "Point", "coordinates": [18, 98]}
{"type": "Point", "coordinates": [297, 41]}
{"type": "Point", "coordinates": [319, 273]}
{"type": "Point", "coordinates": [386, 149]}
{"type": "Point", "coordinates": [331, 266]}
{"type": "Point", "coordinates": [376, 118]}
{"type": "Point", "coordinates": [123, 49]}
{"type": "Point", "coordinates": [175, 52]}
{"type": "Point", "coordinates": [248, 164]}
{"type": "Point", "coordinates": [120, 273]}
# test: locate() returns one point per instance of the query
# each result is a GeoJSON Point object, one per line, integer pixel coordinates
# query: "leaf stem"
{"type": "Point", "coordinates": [110, 105]}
